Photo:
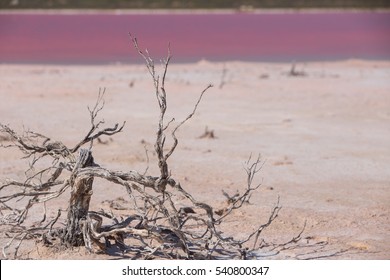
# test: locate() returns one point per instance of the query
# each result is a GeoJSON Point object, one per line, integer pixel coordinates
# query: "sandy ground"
{"type": "Point", "coordinates": [324, 138]}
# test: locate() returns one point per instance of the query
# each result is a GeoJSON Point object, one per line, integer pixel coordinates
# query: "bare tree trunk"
{"type": "Point", "coordinates": [81, 192]}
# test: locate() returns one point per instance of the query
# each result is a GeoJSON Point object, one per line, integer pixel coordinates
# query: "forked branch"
{"type": "Point", "coordinates": [163, 219]}
{"type": "Point", "coordinates": [162, 101]}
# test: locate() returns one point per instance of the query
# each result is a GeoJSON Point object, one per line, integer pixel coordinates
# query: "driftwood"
{"type": "Point", "coordinates": [163, 221]}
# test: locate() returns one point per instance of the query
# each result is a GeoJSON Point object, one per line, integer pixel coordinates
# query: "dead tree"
{"type": "Point", "coordinates": [46, 184]}
{"type": "Point", "coordinates": [164, 220]}
{"type": "Point", "coordinates": [81, 193]}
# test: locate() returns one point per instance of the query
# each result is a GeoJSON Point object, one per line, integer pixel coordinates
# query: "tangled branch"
{"type": "Point", "coordinates": [163, 220]}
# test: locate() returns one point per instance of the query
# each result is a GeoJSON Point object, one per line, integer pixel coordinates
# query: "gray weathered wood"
{"type": "Point", "coordinates": [81, 192]}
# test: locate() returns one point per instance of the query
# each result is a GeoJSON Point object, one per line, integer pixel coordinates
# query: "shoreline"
{"type": "Point", "coordinates": [207, 61]}
{"type": "Point", "coordinates": [192, 11]}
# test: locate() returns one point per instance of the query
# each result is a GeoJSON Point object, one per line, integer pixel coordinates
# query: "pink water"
{"type": "Point", "coordinates": [103, 38]}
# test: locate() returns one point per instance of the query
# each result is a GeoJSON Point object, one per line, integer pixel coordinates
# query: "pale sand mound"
{"type": "Point", "coordinates": [324, 137]}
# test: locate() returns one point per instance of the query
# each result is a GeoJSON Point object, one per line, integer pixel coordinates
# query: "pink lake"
{"type": "Point", "coordinates": [103, 37]}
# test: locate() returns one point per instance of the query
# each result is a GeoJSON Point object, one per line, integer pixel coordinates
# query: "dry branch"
{"type": "Point", "coordinates": [164, 220]}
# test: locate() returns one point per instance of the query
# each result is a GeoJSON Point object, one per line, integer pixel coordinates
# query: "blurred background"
{"type": "Point", "coordinates": [96, 31]}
